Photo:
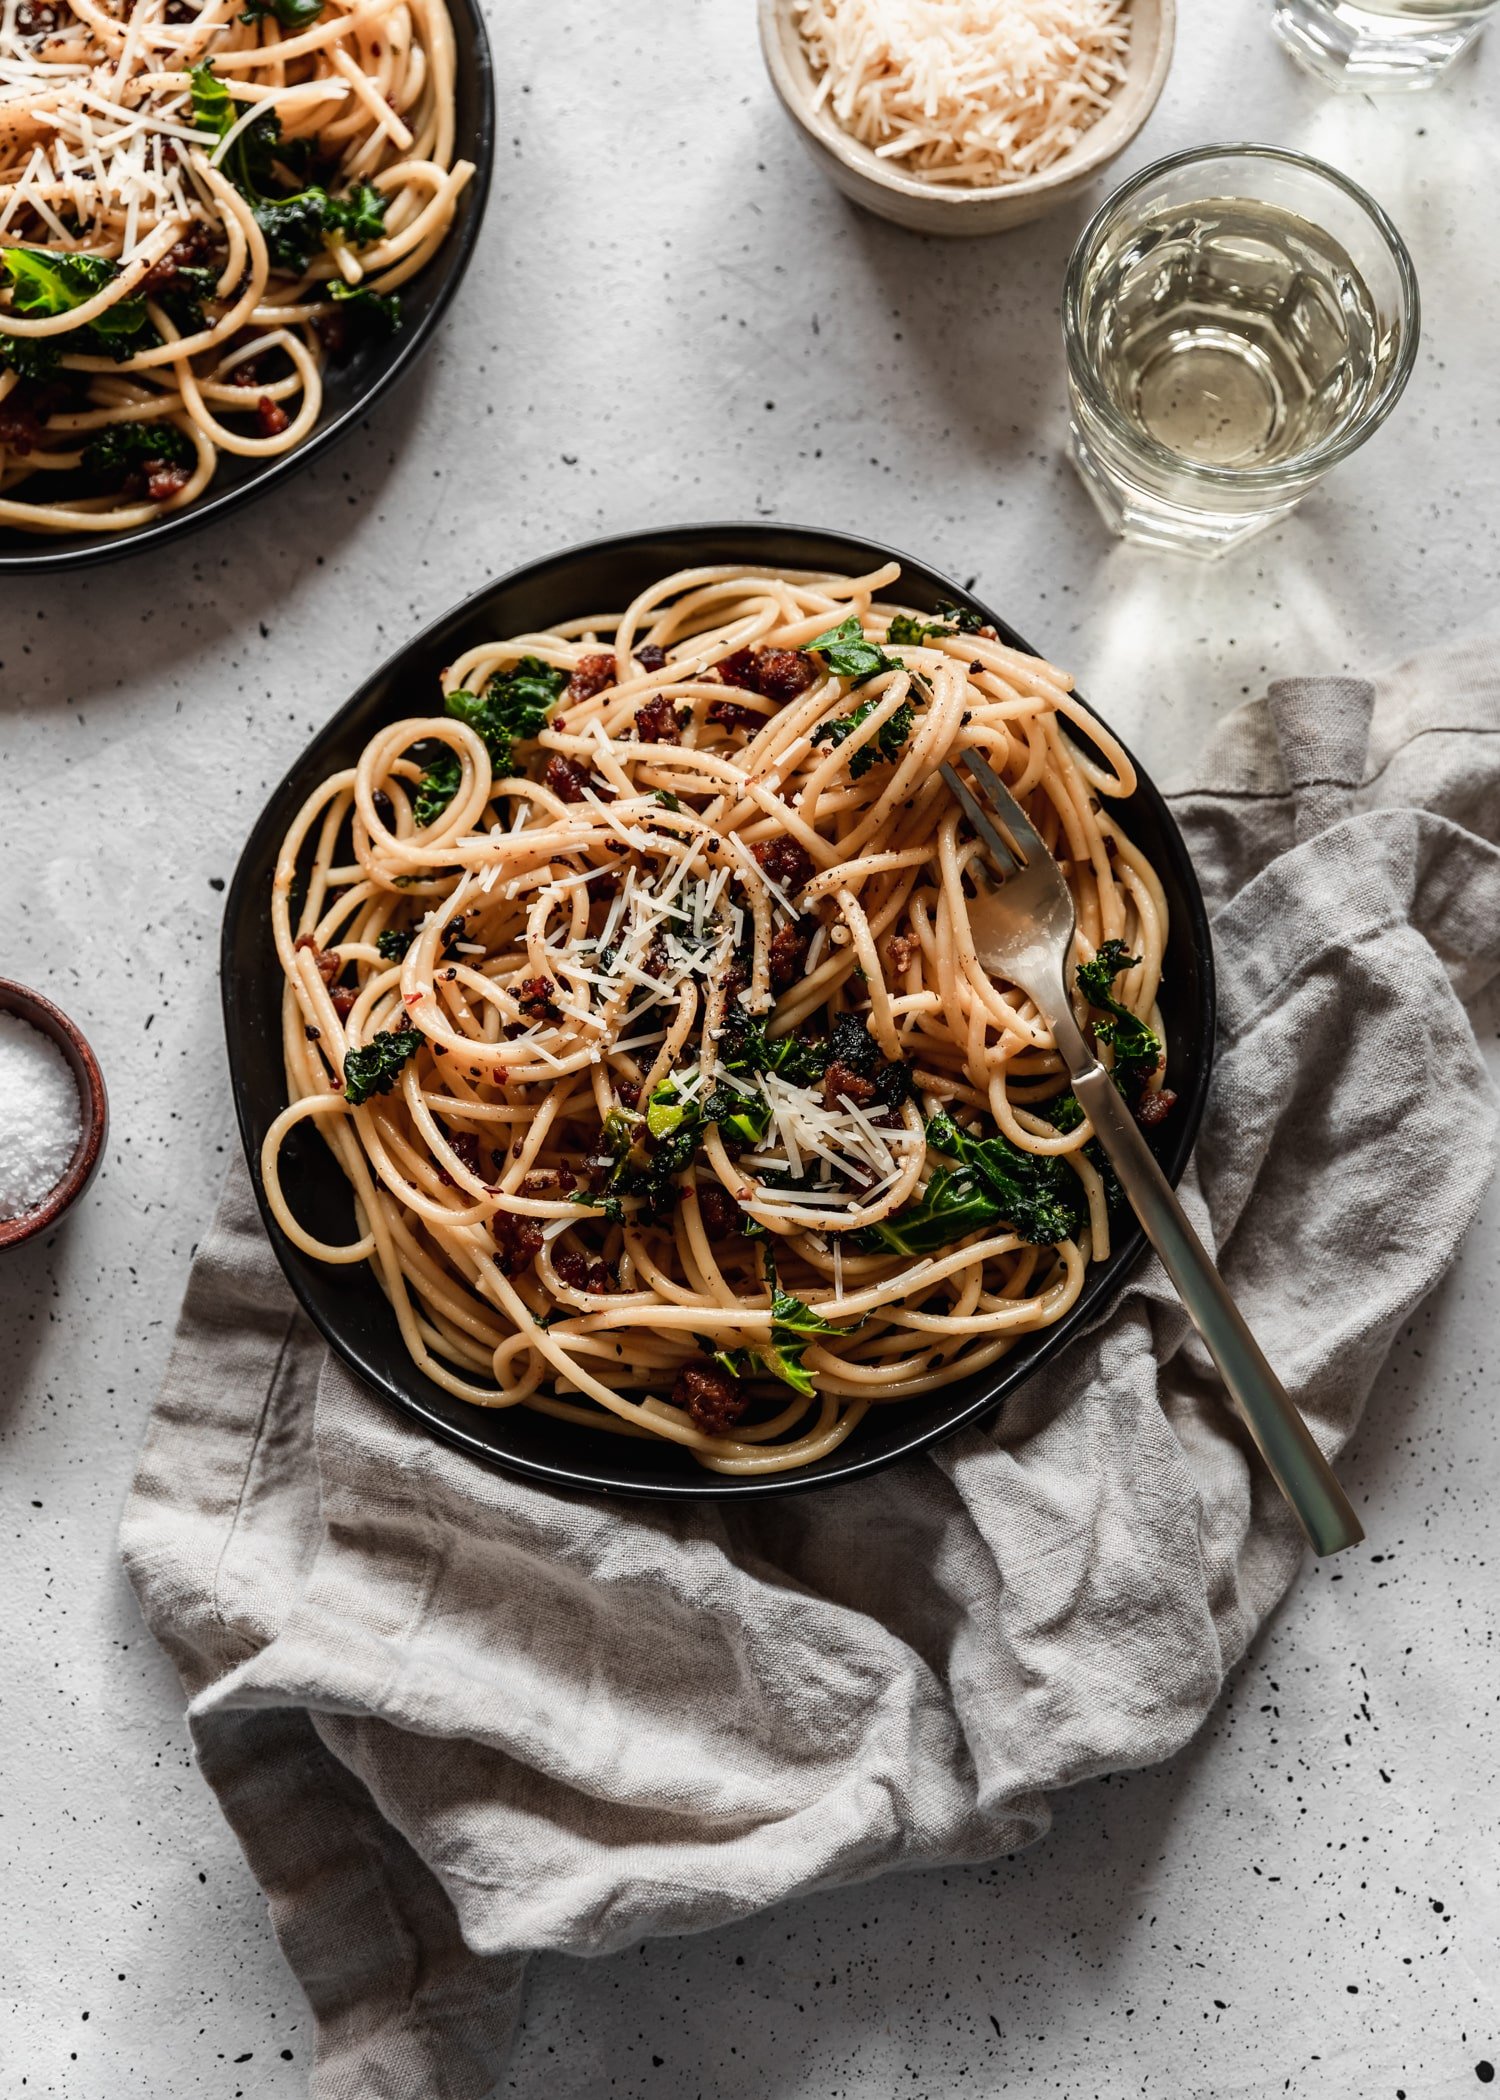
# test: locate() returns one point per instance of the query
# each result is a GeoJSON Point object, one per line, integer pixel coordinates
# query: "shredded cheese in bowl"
{"type": "Point", "coordinates": [967, 92]}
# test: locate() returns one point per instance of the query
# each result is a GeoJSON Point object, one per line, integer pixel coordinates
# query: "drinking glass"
{"type": "Point", "coordinates": [1237, 320]}
{"type": "Point", "coordinates": [1379, 43]}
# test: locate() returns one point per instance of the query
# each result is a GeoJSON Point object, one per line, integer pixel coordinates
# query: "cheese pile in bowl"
{"type": "Point", "coordinates": [973, 93]}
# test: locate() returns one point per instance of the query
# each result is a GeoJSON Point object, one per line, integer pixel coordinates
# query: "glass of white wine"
{"type": "Point", "coordinates": [1379, 43]}
{"type": "Point", "coordinates": [1237, 320]}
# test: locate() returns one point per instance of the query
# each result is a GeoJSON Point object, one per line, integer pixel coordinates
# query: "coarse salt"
{"type": "Point", "coordinates": [41, 1117]}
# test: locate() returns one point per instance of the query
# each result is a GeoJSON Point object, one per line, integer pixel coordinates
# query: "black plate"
{"type": "Point", "coordinates": [349, 390]}
{"type": "Point", "coordinates": [346, 1303]}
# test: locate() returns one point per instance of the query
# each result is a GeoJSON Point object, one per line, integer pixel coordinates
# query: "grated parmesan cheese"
{"type": "Point", "coordinates": [968, 92]}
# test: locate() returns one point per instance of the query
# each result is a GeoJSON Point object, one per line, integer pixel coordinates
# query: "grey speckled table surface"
{"type": "Point", "coordinates": [671, 318]}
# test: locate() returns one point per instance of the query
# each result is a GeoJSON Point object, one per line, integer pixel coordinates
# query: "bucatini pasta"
{"type": "Point", "coordinates": [200, 203]}
{"type": "Point", "coordinates": [632, 991]}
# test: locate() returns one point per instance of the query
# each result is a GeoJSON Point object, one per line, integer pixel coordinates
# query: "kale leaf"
{"type": "Point", "coordinates": [913, 632]}
{"type": "Point", "coordinates": [437, 787]}
{"type": "Point", "coordinates": [886, 743]}
{"type": "Point", "coordinates": [1065, 1114]}
{"type": "Point", "coordinates": [845, 650]}
{"type": "Point", "coordinates": [1137, 1048]}
{"type": "Point", "coordinates": [793, 1325]}
{"type": "Point", "coordinates": [953, 1206]}
{"type": "Point", "coordinates": [123, 446]}
{"type": "Point", "coordinates": [1037, 1195]}
{"type": "Point", "coordinates": [291, 14]}
{"type": "Point", "coordinates": [46, 284]}
{"type": "Point", "coordinates": [381, 310]}
{"type": "Point", "coordinates": [746, 1117]}
{"type": "Point", "coordinates": [745, 1049]}
{"type": "Point", "coordinates": [34, 357]}
{"type": "Point", "coordinates": [294, 226]}
{"type": "Point", "coordinates": [513, 707]}
{"type": "Point", "coordinates": [375, 1068]}
{"type": "Point", "coordinates": [395, 941]}
{"type": "Point", "coordinates": [359, 217]}
{"type": "Point", "coordinates": [645, 1154]}
{"type": "Point", "coordinates": [964, 617]}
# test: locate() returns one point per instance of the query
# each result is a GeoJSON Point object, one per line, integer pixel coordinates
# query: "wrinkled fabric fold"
{"type": "Point", "coordinates": [454, 1718]}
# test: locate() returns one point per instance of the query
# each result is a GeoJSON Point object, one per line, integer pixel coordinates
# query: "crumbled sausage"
{"type": "Point", "coordinates": [165, 479]}
{"type": "Point", "coordinates": [343, 997]}
{"type": "Point", "coordinates": [785, 862]}
{"type": "Point", "coordinates": [325, 962]}
{"type": "Point", "coordinates": [271, 417]}
{"type": "Point", "coordinates": [658, 722]}
{"type": "Point", "coordinates": [542, 1180]}
{"type": "Point", "coordinates": [789, 948]}
{"type": "Point", "coordinates": [23, 414]}
{"type": "Point", "coordinates": [629, 1092]}
{"type": "Point", "coordinates": [565, 779]}
{"type": "Point", "coordinates": [1154, 1108]}
{"type": "Point", "coordinates": [903, 948]}
{"type": "Point", "coordinates": [517, 1240]}
{"type": "Point", "coordinates": [534, 997]}
{"type": "Point", "coordinates": [776, 674]}
{"type": "Point", "coordinates": [842, 1082]}
{"type": "Point", "coordinates": [591, 675]}
{"type": "Point", "coordinates": [739, 669]}
{"type": "Point", "coordinates": [730, 715]}
{"type": "Point", "coordinates": [185, 254]}
{"type": "Point", "coordinates": [781, 674]}
{"type": "Point", "coordinates": [331, 322]}
{"type": "Point", "coordinates": [650, 656]}
{"type": "Point", "coordinates": [466, 1144]}
{"type": "Point", "coordinates": [720, 1213]}
{"type": "Point", "coordinates": [579, 1273]}
{"type": "Point", "coordinates": [710, 1396]}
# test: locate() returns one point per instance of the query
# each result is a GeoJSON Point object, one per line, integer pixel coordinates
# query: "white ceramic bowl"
{"type": "Point", "coordinates": [930, 207]}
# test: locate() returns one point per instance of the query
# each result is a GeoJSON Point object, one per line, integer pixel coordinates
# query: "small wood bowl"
{"type": "Point", "coordinates": [93, 1102]}
{"type": "Point", "coordinates": [931, 207]}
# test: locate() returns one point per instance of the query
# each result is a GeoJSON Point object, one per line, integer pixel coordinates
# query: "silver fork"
{"type": "Point", "coordinates": [1023, 932]}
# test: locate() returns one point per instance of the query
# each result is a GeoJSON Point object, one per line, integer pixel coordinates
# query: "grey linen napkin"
{"type": "Point", "coordinates": [452, 1717]}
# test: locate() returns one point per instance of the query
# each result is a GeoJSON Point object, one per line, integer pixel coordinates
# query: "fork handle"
{"type": "Point", "coordinates": [1283, 1439]}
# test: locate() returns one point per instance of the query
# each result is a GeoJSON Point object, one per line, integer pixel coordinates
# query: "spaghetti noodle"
{"type": "Point", "coordinates": [634, 996]}
{"type": "Point", "coordinates": [200, 203]}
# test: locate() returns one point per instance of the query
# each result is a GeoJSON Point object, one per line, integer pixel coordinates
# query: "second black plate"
{"type": "Point", "coordinates": [346, 1304]}
{"type": "Point", "coordinates": [350, 389]}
